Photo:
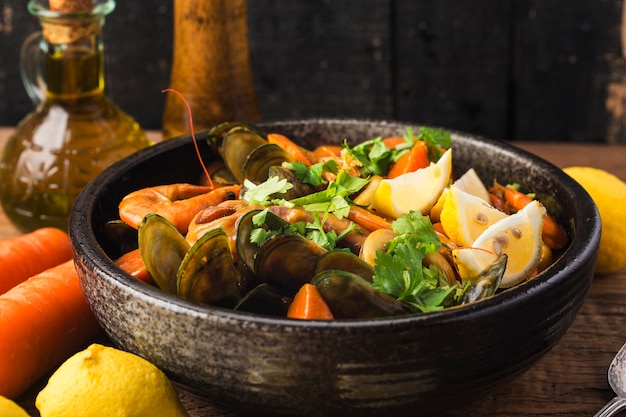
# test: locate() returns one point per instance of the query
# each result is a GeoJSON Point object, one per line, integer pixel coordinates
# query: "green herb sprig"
{"type": "Point", "coordinates": [400, 272]}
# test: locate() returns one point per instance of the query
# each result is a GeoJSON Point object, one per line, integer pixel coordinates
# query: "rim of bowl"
{"type": "Point", "coordinates": [582, 248]}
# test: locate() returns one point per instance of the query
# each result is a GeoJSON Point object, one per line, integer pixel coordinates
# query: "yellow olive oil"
{"type": "Point", "coordinates": [73, 135]}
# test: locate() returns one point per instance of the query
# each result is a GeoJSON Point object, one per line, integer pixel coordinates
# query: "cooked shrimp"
{"type": "Point", "coordinates": [178, 203]}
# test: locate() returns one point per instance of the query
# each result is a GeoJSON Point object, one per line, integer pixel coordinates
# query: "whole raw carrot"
{"type": "Point", "coordinates": [43, 321]}
{"type": "Point", "coordinates": [23, 256]}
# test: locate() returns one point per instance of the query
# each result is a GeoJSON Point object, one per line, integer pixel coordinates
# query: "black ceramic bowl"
{"type": "Point", "coordinates": [272, 366]}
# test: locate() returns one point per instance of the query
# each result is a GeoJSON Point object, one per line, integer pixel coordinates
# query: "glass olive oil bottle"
{"type": "Point", "coordinates": [75, 131]}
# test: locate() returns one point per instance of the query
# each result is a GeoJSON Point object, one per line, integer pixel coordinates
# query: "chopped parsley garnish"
{"type": "Point", "coordinates": [334, 199]}
{"type": "Point", "coordinates": [313, 174]}
{"type": "Point", "coordinates": [262, 193]}
{"type": "Point", "coordinates": [312, 230]}
{"type": "Point", "coordinates": [399, 271]}
{"type": "Point", "coordinates": [375, 158]}
{"type": "Point", "coordinates": [373, 155]}
{"type": "Point", "coordinates": [435, 139]}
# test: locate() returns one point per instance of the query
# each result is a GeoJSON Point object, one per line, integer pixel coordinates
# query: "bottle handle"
{"type": "Point", "coordinates": [31, 67]}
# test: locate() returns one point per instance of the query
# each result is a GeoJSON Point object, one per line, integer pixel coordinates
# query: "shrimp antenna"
{"type": "Point", "coordinates": [193, 134]}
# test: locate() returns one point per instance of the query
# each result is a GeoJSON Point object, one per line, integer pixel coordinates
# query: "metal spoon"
{"type": "Point", "coordinates": [617, 381]}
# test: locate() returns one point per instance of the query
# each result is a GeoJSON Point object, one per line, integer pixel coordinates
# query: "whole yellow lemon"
{"type": "Point", "coordinates": [104, 381]}
{"type": "Point", "coordinates": [10, 409]}
{"type": "Point", "coordinates": [609, 194]}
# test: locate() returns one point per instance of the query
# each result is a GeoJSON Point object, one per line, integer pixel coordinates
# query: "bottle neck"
{"type": "Point", "coordinates": [72, 47]}
{"type": "Point", "coordinates": [74, 70]}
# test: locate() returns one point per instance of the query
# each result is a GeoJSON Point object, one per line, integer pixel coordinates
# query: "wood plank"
{"type": "Point", "coordinates": [138, 48]}
{"type": "Point", "coordinates": [321, 58]}
{"type": "Point", "coordinates": [565, 62]}
{"type": "Point", "coordinates": [15, 26]}
{"type": "Point", "coordinates": [538, 70]}
{"type": "Point", "coordinates": [452, 66]}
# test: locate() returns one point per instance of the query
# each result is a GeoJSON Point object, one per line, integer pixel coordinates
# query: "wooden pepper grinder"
{"type": "Point", "coordinates": [211, 66]}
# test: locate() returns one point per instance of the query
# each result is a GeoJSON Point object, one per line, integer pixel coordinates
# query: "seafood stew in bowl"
{"type": "Point", "coordinates": [251, 363]}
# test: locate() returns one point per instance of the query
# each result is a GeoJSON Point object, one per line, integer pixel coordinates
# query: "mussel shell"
{"type": "Point", "coordinates": [485, 284]}
{"type": "Point", "coordinates": [351, 297]}
{"type": "Point", "coordinates": [162, 248]}
{"type": "Point", "coordinates": [287, 261]}
{"type": "Point", "coordinates": [118, 237]}
{"type": "Point", "coordinates": [215, 135]}
{"type": "Point", "coordinates": [207, 274]}
{"type": "Point", "coordinates": [257, 164]}
{"type": "Point", "coordinates": [236, 147]}
{"type": "Point", "coordinates": [223, 176]}
{"type": "Point", "coordinates": [344, 260]}
{"type": "Point", "coordinates": [299, 188]}
{"type": "Point", "coordinates": [245, 248]}
{"type": "Point", "coordinates": [264, 299]}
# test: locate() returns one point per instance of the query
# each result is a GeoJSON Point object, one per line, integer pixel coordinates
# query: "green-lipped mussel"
{"type": "Point", "coordinates": [233, 267]}
{"type": "Point", "coordinates": [205, 272]}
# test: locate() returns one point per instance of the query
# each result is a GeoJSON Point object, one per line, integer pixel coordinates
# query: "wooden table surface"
{"type": "Point", "coordinates": [570, 380]}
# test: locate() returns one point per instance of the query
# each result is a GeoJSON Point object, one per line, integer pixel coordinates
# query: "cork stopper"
{"type": "Point", "coordinates": [71, 5]}
{"type": "Point", "coordinates": [69, 31]}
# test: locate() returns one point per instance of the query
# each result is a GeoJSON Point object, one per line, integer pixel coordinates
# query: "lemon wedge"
{"type": "Point", "coordinates": [418, 190]}
{"type": "Point", "coordinates": [471, 183]}
{"type": "Point", "coordinates": [517, 235]}
{"type": "Point", "coordinates": [464, 217]}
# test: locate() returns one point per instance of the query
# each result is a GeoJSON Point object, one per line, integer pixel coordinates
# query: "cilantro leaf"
{"type": "Point", "coordinates": [334, 198]}
{"type": "Point", "coordinates": [308, 175]}
{"type": "Point", "coordinates": [400, 272]}
{"type": "Point", "coordinates": [373, 155]}
{"type": "Point", "coordinates": [435, 139]}
{"type": "Point", "coordinates": [415, 223]}
{"type": "Point", "coordinates": [261, 193]}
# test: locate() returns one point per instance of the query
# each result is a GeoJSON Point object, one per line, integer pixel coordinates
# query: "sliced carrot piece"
{"type": "Point", "coordinates": [393, 141]}
{"type": "Point", "coordinates": [296, 152]}
{"type": "Point", "coordinates": [416, 158]}
{"type": "Point", "coordinates": [131, 262]}
{"type": "Point", "coordinates": [552, 233]}
{"type": "Point", "coordinates": [308, 304]}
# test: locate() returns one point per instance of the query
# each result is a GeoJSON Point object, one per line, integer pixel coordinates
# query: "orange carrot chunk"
{"type": "Point", "coordinates": [414, 159]}
{"type": "Point", "coordinates": [308, 304]}
{"type": "Point", "coordinates": [131, 262]}
{"type": "Point", "coordinates": [393, 141]}
{"type": "Point", "coordinates": [23, 256]}
{"type": "Point", "coordinates": [552, 234]}
{"type": "Point", "coordinates": [297, 153]}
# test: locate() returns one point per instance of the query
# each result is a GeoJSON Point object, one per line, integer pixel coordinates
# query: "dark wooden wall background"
{"type": "Point", "coordinates": [544, 70]}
